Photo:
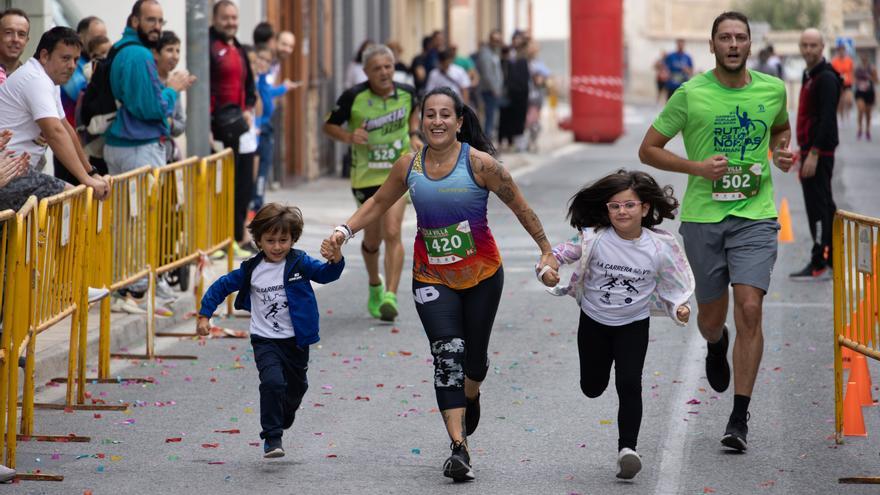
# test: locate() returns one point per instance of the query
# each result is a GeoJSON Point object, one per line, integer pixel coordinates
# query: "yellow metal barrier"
{"type": "Point", "coordinates": [10, 250]}
{"type": "Point", "coordinates": [216, 205]}
{"type": "Point", "coordinates": [36, 299]}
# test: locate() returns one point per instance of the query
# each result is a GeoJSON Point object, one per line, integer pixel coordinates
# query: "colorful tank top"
{"type": "Point", "coordinates": [454, 246]}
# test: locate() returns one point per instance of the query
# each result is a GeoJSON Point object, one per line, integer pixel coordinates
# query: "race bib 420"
{"type": "Point", "coordinates": [740, 182]}
{"type": "Point", "coordinates": [450, 244]}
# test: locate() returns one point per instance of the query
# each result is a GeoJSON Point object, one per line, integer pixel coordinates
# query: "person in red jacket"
{"type": "Point", "coordinates": [817, 138]}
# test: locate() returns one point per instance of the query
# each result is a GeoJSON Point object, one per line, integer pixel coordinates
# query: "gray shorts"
{"type": "Point", "coordinates": [14, 194]}
{"type": "Point", "coordinates": [732, 251]}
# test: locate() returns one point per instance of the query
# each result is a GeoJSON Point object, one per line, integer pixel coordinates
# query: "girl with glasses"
{"type": "Point", "coordinates": [625, 270]}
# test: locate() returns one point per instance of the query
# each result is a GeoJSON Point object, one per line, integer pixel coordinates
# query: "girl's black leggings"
{"type": "Point", "coordinates": [599, 345]}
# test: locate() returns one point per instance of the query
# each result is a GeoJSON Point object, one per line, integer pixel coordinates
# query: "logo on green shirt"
{"type": "Point", "coordinates": [736, 132]}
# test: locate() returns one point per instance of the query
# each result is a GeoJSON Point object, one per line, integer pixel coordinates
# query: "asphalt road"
{"type": "Point", "coordinates": [369, 423]}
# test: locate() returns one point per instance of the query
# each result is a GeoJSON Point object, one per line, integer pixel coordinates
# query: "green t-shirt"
{"type": "Point", "coordinates": [387, 123]}
{"type": "Point", "coordinates": [464, 62]}
{"type": "Point", "coordinates": [736, 122]}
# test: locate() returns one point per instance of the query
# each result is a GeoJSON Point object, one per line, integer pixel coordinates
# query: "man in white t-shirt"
{"type": "Point", "coordinates": [30, 106]}
{"type": "Point", "coordinates": [450, 75]}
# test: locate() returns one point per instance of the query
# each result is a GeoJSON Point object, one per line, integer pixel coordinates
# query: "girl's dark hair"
{"type": "Point", "coordinates": [359, 56]}
{"type": "Point", "coordinates": [471, 132]}
{"type": "Point", "coordinates": [588, 208]}
{"type": "Point", "coordinates": [273, 217]}
{"type": "Point", "coordinates": [167, 38]}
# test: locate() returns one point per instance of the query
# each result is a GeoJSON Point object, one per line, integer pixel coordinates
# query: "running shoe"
{"type": "Point", "coordinates": [164, 291]}
{"type": "Point", "coordinates": [6, 474]}
{"type": "Point", "coordinates": [717, 367]}
{"type": "Point", "coordinates": [126, 305]}
{"type": "Point", "coordinates": [809, 274]}
{"type": "Point", "coordinates": [628, 463]}
{"type": "Point", "coordinates": [388, 308]}
{"type": "Point", "coordinates": [458, 465]}
{"type": "Point", "coordinates": [272, 448]}
{"type": "Point", "coordinates": [472, 415]}
{"type": "Point", "coordinates": [96, 295]}
{"type": "Point", "coordinates": [377, 295]}
{"type": "Point", "coordinates": [736, 432]}
{"type": "Point", "coordinates": [242, 252]}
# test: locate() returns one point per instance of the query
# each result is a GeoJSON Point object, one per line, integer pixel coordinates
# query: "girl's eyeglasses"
{"type": "Point", "coordinates": [614, 206]}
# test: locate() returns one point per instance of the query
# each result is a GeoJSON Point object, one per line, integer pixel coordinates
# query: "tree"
{"type": "Point", "coordinates": [784, 14]}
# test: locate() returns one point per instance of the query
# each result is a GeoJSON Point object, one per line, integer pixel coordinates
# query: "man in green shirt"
{"type": "Point", "coordinates": [382, 123]}
{"type": "Point", "coordinates": [729, 118]}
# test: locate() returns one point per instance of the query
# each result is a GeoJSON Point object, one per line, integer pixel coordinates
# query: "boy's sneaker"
{"type": "Point", "coordinates": [809, 273]}
{"type": "Point", "coordinates": [377, 294]}
{"type": "Point", "coordinates": [472, 415]}
{"type": "Point", "coordinates": [736, 432]}
{"type": "Point", "coordinates": [458, 465]}
{"type": "Point", "coordinates": [628, 463]}
{"type": "Point", "coordinates": [388, 308]}
{"type": "Point", "coordinates": [272, 448]}
{"type": "Point", "coordinates": [717, 367]}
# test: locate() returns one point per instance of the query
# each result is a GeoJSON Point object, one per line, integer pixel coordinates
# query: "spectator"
{"type": "Point", "coordinates": [264, 35]}
{"type": "Point", "coordinates": [265, 147]}
{"type": "Point", "coordinates": [285, 41]}
{"type": "Point", "coordinates": [516, 85]}
{"type": "Point", "coordinates": [354, 73]}
{"type": "Point", "coordinates": [467, 64]}
{"type": "Point", "coordinates": [134, 138]}
{"type": "Point", "coordinates": [401, 71]}
{"type": "Point", "coordinates": [98, 48]}
{"type": "Point", "coordinates": [680, 67]}
{"type": "Point", "coordinates": [661, 75]}
{"type": "Point", "coordinates": [89, 28]}
{"type": "Point", "coordinates": [167, 55]}
{"type": "Point", "coordinates": [418, 67]}
{"type": "Point", "coordinates": [450, 75]}
{"type": "Point", "coordinates": [769, 63]}
{"type": "Point", "coordinates": [11, 166]}
{"type": "Point", "coordinates": [233, 96]}
{"type": "Point", "coordinates": [491, 85]}
{"type": "Point", "coordinates": [15, 27]}
{"type": "Point", "coordinates": [817, 138]}
{"type": "Point", "coordinates": [537, 90]}
{"type": "Point", "coordinates": [30, 106]}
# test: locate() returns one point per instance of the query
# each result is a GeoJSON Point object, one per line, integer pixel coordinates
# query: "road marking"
{"type": "Point", "coordinates": [672, 447]}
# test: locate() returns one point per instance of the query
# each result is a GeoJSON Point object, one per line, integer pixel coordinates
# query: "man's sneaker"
{"type": "Point", "coordinates": [717, 367]}
{"type": "Point", "coordinates": [272, 448]}
{"type": "Point", "coordinates": [736, 432]}
{"type": "Point", "coordinates": [6, 473]}
{"type": "Point", "coordinates": [377, 294]}
{"type": "Point", "coordinates": [126, 305]}
{"type": "Point", "coordinates": [164, 291]}
{"type": "Point", "coordinates": [458, 465]}
{"type": "Point", "coordinates": [96, 295]}
{"type": "Point", "coordinates": [472, 415]}
{"type": "Point", "coordinates": [628, 463]}
{"type": "Point", "coordinates": [388, 308]}
{"type": "Point", "coordinates": [811, 274]}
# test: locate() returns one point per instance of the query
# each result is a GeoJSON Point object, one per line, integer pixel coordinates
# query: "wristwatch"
{"type": "Point", "coordinates": [94, 171]}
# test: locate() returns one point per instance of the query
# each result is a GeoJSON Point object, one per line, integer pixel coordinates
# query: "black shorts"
{"type": "Point", "coordinates": [866, 96]}
{"type": "Point", "coordinates": [361, 195]}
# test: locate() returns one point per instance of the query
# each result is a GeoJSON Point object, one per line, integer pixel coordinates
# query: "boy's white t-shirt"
{"type": "Point", "coordinates": [620, 279]}
{"type": "Point", "coordinates": [28, 95]}
{"type": "Point", "coordinates": [270, 314]}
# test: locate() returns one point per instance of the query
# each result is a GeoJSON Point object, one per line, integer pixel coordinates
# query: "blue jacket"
{"type": "Point", "coordinates": [300, 269]}
{"type": "Point", "coordinates": [146, 102]}
{"type": "Point", "coordinates": [268, 93]}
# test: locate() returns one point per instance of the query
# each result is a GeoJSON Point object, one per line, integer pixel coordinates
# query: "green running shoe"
{"type": "Point", "coordinates": [377, 293]}
{"type": "Point", "coordinates": [388, 308]}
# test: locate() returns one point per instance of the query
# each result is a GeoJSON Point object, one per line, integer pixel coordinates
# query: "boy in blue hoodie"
{"type": "Point", "coordinates": [275, 286]}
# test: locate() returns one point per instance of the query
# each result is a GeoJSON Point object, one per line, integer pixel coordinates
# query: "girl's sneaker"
{"type": "Point", "coordinates": [458, 465]}
{"type": "Point", "coordinates": [272, 448]}
{"type": "Point", "coordinates": [628, 463]}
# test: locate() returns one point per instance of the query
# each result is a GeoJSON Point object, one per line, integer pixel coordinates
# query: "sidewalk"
{"type": "Point", "coordinates": [325, 203]}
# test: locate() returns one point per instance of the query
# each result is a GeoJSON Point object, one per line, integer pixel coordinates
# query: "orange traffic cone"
{"type": "Point", "coordinates": [846, 357]}
{"type": "Point", "coordinates": [859, 374]}
{"type": "Point", "coordinates": [786, 235]}
{"type": "Point", "coordinates": [853, 421]}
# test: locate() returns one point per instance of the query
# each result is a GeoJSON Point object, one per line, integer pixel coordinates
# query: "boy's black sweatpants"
{"type": "Point", "coordinates": [282, 365]}
{"type": "Point", "coordinates": [599, 345]}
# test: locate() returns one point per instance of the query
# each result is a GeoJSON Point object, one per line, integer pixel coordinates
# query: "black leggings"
{"type": "Point", "coordinates": [820, 210]}
{"type": "Point", "coordinates": [626, 346]}
{"type": "Point", "coordinates": [458, 324]}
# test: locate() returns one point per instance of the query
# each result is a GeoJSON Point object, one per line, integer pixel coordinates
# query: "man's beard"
{"type": "Point", "coordinates": [145, 39]}
{"type": "Point", "coordinates": [719, 62]}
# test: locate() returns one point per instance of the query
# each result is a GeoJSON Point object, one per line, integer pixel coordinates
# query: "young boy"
{"type": "Point", "coordinates": [275, 286]}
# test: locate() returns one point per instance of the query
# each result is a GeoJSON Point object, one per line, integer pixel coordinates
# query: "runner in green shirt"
{"type": "Point", "coordinates": [382, 124]}
{"type": "Point", "coordinates": [729, 118]}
